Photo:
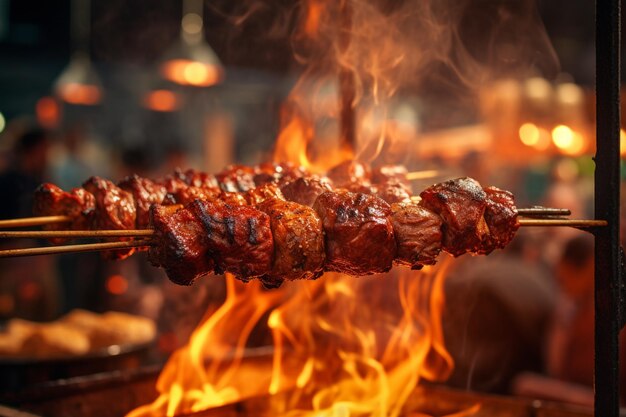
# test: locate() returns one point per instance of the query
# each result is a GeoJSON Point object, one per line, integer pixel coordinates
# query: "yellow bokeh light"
{"type": "Point", "coordinates": [622, 142]}
{"type": "Point", "coordinates": [562, 136]}
{"type": "Point", "coordinates": [529, 134]}
{"type": "Point", "coordinates": [193, 73]}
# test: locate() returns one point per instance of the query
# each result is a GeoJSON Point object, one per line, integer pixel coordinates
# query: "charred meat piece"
{"type": "Point", "coordinates": [233, 199]}
{"type": "Point", "coordinates": [263, 192]}
{"type": "Point", "coordinates": [78, 204]}
{"type": "Point", "coordinates": [115, 210]}
{"type": "Point", "coordinates": [501, 218]}
{"type": "Point", "coordinates": [418, 235]}
{"type": "Point", "coordinates": [238, 238]}
{"type": "Point", "coordinates": [393, 191]}
{"type": "Point", "coordinates": [461, 203]}
{"type": "Point", "coordinates": [305, 190]}
{"type": "Point", "coordinates": [236, 178]}
{"type": "Point", "coordinates": [298, 241]}
{"type": "Point", "coordinates": [181, 247]}
{"type": "Point", "coordinates": [145, 193]}
{"type": "Point", "coordinates": [278, 173]}
{"type": "Point", "coordinates": [390, 173]}
{"type": "Point", "coordinates": [186, 195]}
{"type": "Point", "coordinates": [173, 183]}
{"type": "Point", "coordinates": [200, 179]}
{"type": "Point", "coordinates": [347, 173]}
{"type": "Point", "coordinates": [359, 234]}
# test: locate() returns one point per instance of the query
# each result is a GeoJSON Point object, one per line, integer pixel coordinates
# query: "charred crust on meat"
{"type": "Point", "coordinates": [252, 236]}
{"type": "Point", "coordinates": [229, 222]}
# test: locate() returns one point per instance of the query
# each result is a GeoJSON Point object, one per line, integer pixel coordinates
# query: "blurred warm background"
{"type": "Point", "coordinates": [116, 87]}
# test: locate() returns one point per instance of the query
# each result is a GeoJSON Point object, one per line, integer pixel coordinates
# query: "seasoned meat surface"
{"type": "Point", "coordinates": [115, 210]}
{"type": "Point", "coordinates": [394, 173]}
{"type": "Point", "coordinates": [173, 183]}
{"type": "Point", "coordinates": [461, 203]}
{"type": "Point", "coordinates": [418, 234]}
{"type": "Point", "coordinates": [298, 241]}
{"type": "Point", "coordinates": [305, 190]}
{"type": "Point", "coordinates": [200, 179]}
{"type": "Point", "coordinates": [236, 178]}
{"type": "Point", "coordinates": [348, 172]}
{"type": "Point", "coordinates": [359, 235]}
{"type": "Point", "coordinates": [501, 218]}
{"type": "Point", "coordinates": [181, 247]}
{"type": "Point", "coordinates": [238, 238]}
{"type": "Point", "coordinates": [263, 192]}
{"type": "Point", "coordinates": [393, 192]}
{"type": "Point", "coordinates": [145, 193]}
{"type": "Point", "coordinates": [78, 204]}
{"type": "Point", "coordinates": [186, 195]}
{"type": "Point", "coordinates": [233, 199]}
{"type": "Point", "coordinates": [278, 173]}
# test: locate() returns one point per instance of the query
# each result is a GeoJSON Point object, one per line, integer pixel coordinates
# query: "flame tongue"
{"type": "Point", "coordinates": [341, 346]}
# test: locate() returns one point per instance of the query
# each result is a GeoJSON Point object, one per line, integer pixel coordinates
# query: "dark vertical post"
{"type": "Point", "coordinates": [347, 118]}
{"type": "Point", "coordinates": [607, 191]}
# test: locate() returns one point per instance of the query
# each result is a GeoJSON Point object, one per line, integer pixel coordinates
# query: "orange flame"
{"type": "Point", "coordinates": [341, 346]}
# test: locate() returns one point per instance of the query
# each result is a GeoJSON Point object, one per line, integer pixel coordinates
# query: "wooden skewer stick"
{"type": "Point", "coordinates": [33, 221]}
{"type": "Point", "coordinates": [89, 247]}
{"type": "Point", "coordinates": [45, 234]}
{"type": "Point", "coordinates": [543, 211]}
{"type": "Point", "coordinates": [422, 175]}
{"type": "Point", "coordinates": [583, 224]}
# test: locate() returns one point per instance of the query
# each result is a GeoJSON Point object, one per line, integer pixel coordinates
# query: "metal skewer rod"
{"type": "Point", "coordinates": [89, 247]}
{"type": "Point", "coordinates": [45, 234]}
{"type": "Point", "coordinates": [33, 221]}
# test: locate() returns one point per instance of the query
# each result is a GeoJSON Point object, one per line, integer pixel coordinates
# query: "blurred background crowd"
{"type": "Point", "coordinates": [84, 90]}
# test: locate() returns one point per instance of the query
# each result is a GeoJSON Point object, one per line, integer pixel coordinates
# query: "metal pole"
{"type": "Point", "coordinates": [607, 198]}
{"type": "Point", "coordinates": [347, 117]}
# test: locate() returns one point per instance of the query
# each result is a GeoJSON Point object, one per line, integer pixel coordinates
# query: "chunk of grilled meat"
{"type": "Point", "coordinates": [145, 193]}
{"type": "Point", "coordinates": [298, 242]}
{"type": "Point", "coordinates": [501, 218]}
{"type": "Point", "coordinates": [78, 204]}
{"type": "Point", "coordinates": [180, 244]}
{"type": "Point", "coordinates": [305, 190]}
{"type": "Point", "coordinates": [418, 235]}
{"type": "Point", "coordinates": [200, 179]}
{"type": "Point", "coordinates": [387, 173]}
{"type": "Point", "coordinates": [347, 173]}
{"type": "Point", "coordinates": [393, 191]}
{"type": "Point", "coordinates": [115, 210]}
{"type": "Point", "coordinates": [359, 235]}
{"type": "Point", "coordinates": [263, 192]}
{"type": "Point", "coordinates": [186, 195]}
{"type": "Point", "coordinates": [461, 203]}
{"type": "Point", "coordinates": [278, 173]}
{"type": "Point", "coordinates": [238, 238]}
{"type": "Point", "coordinates": [236, 178]}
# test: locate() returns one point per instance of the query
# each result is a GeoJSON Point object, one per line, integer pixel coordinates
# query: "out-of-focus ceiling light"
{"type": "Point", "coordinates": [191, 61]}
{"type": "Point", "coordinates": [78, 83]}
{"type": "Point", "coordinates": [162, 100]}
{"type": "Point", "coordinates": [3, 122]}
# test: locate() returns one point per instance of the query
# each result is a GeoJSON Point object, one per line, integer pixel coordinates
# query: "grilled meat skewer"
{"type": "Point", "coordinates": [362, 234]}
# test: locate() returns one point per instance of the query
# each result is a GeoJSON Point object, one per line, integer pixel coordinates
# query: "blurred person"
{"type": "Point", "coordinates": [70, 164]}
{"type": "Point", "coordinates": [28, 286]}
{"type": "Point", "coordinates": [27, 169]}
{"type": "Point", "coordinates": [496, 312]}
